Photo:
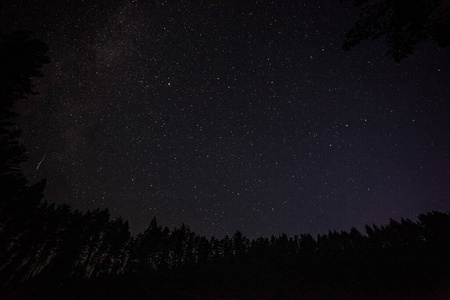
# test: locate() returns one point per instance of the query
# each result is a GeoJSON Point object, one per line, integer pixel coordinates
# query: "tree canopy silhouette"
{"type": "Point", "coordinates": [403, 24]}
{"type": "Point", "coordinates": [21, 59]}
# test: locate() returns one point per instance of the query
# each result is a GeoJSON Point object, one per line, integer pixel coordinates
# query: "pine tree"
{"type": "Point", "coordinates": [20, 61]}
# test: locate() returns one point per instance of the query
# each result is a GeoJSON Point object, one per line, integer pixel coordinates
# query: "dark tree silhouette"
{"type": "Point", "coordinates": [20, 60]}
{"type": "Point", "coordinates": [403, 24]}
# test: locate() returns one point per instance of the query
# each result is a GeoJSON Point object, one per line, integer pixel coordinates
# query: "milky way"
{"type": "Point", "coordinates": [232, 117]}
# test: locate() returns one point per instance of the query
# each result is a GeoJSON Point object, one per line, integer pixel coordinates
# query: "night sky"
{"type": "Point", "coordinates": [231, 117]}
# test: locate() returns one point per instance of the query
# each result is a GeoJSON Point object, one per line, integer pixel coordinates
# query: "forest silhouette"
{"type": "Point", "coordinates": [50, 251]}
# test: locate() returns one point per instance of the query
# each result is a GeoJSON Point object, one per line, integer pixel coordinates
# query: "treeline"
{"type": "Point", "coordinates": [55, 252]}
{"type": "Point", "coordinates": [55, 246]}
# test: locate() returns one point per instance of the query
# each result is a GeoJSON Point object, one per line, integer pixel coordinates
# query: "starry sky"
{"type": "Point", "coordinates": [232, 115]}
